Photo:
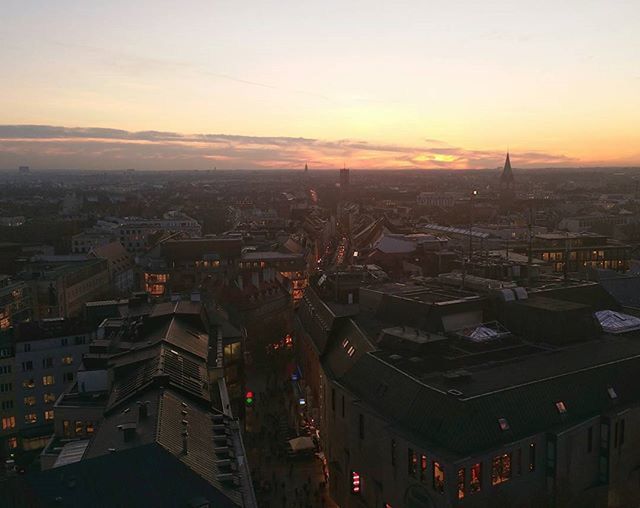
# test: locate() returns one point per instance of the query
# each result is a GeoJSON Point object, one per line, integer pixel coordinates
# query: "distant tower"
{"type": "Point", "coordinates": [507, 182]}
{"type": "Point", "coordinates": [344, 177]}
{"type": "Point", "coordinates": [306, 168]}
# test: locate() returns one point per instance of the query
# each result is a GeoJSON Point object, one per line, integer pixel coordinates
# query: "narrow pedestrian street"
{"type": "Point", "coordinates": [281, 478]}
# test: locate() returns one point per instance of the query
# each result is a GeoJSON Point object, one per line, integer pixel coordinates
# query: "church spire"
{"type": "Point", "coordinates": [507, 172]}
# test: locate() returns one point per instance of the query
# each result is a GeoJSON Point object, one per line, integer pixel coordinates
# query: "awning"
{"type": "Point", "coordinates": [302, 443]}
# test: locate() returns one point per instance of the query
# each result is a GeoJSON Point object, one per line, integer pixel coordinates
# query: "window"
{"type": "Point", "coordinates": [423, 467]}
{"type": "Point", "coordinates": [49, 398]}
{"type": "Point", "coordinates": [562, 409]}
{"type": "Point", "coordinates": [356, 485]}
{"type": "Point", "coordinates": [47, 363]}
{"type": "Point", "coordinates": [5, 369]}
{"type": "Point", "coordinates": [79, 427]}
{"type": "Point", "coordinates": [64, 342]}
{"type": "Point", "coordinates": [461, 483]}
{"type": "Point", "coordinates": [475, 483]}
{"type": "Point", "coordinates": [532, 457]}
{"type": "Point", "coordinates": [8, 422]}
{"type": "Point", "coordinates": [504, 424]}
{"type": "Point", "coordinates": [6, 387]}
{"type": "Point", "coordinates": [67, 377]}
{"type": "Point", "coordinates": [412, 462]}
{"type": "Point", "coordinates": [31, 418]}
{"type": "Point", "coordinates": [361, 426]}
{"type": "Point", "coordinates": [66, 428]}
{"type": "Point", "coordinates": [27, 348]}
{"type": "Point", "coordinates": [13, 443]}
{"type": "Point", "coordinates": [7, 404]}
{"type": "Point", "coordinates": [89, 428]}
{"type": "Point", "coordinates": [612, 393]}
{"type": "Point", "coordinates": [438, 477]}
{"type": "Point", "coordinates": [48, 380]}
{"type": "Point", "coordinates": [590, 440]}
{"type": "Point", "coordinates": [27, 366]}
{"type": "Point", "coordinates": [48, 415]}
{"type": "Point", "coordinates": [80, 339]}
{"type": "Point", "coordinates": [30, 400]}
{"type": "Point", "coordinates": [501, 469]}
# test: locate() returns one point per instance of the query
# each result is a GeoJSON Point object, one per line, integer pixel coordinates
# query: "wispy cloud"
{"type": "Point", "coordinates": [46, 146]}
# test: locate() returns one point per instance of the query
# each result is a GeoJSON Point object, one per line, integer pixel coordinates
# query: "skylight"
{"type": "Point", "coordinates": [560, 406]}
{"type": "Point", "coordinates": [504, 424]}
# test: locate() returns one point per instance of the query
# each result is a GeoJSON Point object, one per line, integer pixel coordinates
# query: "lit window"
{"type": "Point", "coordinates": [66, 428]}
{"type": "Point", "coordinates": [345, 343]}
{"type": "Point", "coordinates": [532, 456]}
{"type": "Point", "coordinates": [438, 478]}
{"type": "Point", "coordinates": [67, 360]}
{"type": "Point", "coordinates": [9, 422]}
{"type": "Point", "coordinates": [351, 351]}
{"type": "Point", "coordinates": [412, 462]}
{"type": "Point", "coordinates": [475, 483]}
{"type": "Point", "coordinates": [612, 393]}
{"type": "Point", "coordinates": [79, 427]}
{"type": "Point", "coordinates": [356, 484]}
{"type": "Point", "coordinates": [30, 400]}
{"type": "Point", "coordinates": [31, 418]}
{"type": "Point", "coordinates": [89, 428]}
{"type": "Point", "coordinates": [28, 383]}
{"type": "Point", "coordinates": [13, 443]}
{"type": "Point", "coordinates": [48, 415]}
{"type": "Point", "coordinates": [504, 424]}
{"type": "Point", "coordinates": [562, 409]}
{"type": "Point", "coordinates": [48, 380]}
{"type": "Point", "coordinates": [501, 469]}
{"type": "Point", "coordinates": [461, 483]}
{"type": "Point", "coordinates": [423, 467]}
{"type": "Point", "coordinates": [49, 398]}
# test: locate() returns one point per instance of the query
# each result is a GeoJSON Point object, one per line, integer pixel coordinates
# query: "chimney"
{"type": "Point", "coordinates": [185, 448]}
{"type": "Point", "coordinates": [143, 409]}
{"type": "Point", "coordinates": [128, 431]}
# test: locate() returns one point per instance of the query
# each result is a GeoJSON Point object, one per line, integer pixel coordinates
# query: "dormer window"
{"type": "Point", "coordinates": [562, 409]}
{"type": "Point", "coordinates": [504, 424]}
{"type": "Point", "coordinates": [612, 393]}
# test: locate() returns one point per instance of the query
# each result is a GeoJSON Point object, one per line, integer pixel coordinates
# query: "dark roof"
{"type": "Point", "coordinates": [143, 476]}
{"type": "Point", "coordinates": [195, 249]}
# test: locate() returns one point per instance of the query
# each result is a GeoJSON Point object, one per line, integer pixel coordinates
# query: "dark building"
{"type": "Point", "coordinates": [423, 399]}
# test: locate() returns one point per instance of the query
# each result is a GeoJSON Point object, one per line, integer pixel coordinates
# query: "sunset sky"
{"type": "Point", "coordinates": [397, 84]}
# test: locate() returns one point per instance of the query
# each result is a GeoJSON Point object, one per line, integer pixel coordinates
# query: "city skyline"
{"type": "Point", "coordinates": [417, 85]}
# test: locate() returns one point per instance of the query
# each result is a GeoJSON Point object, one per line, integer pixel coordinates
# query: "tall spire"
{"type": "Point", "coordinates": [507, 173]}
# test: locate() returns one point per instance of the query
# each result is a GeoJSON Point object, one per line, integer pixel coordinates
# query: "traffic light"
{"type": "Point", "coordinates": [248, 399]}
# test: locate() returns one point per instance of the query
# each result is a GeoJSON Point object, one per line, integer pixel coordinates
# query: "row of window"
{"type": "Point", "coordinates": [47, 363]}
{"type": "Point", "coordinates": [48, 380]}
{"type": "Point", "coordinates": [32, 418]}
{"type": "Point", "coordinates": [77, 428]}
{"type": "Point", "coordinates": [47, 397]}
{"type": "Point", "coordinates": [501, 470]}
{"type": "Point", "coordinates": [78, 340]}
